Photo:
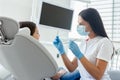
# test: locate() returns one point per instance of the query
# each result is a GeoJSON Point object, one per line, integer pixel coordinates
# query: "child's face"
{"type": "Point", "coordinates": [36, 34]}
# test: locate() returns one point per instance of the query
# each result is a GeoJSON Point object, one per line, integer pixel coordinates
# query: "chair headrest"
{"type": "Point", "coordinates": [8, 28]}
{"type": "Point", "coordinates": [24, 31]}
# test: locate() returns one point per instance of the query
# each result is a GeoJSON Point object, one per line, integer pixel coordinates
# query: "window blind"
{"type": "Point", "coordinates": [110, 13]}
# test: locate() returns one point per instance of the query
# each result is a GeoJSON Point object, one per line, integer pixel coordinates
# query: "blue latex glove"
{"type": "Point", "coordinates": [58, 44]}
{"type": "Point", "coordinates": [75, 49]}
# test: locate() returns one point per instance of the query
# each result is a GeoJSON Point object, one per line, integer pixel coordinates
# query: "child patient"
{"type": "Point", "coordinates": [62, 74]}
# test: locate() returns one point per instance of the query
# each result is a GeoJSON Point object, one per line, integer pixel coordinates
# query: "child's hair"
{"type": "Point", "coordinates": [29, 24]}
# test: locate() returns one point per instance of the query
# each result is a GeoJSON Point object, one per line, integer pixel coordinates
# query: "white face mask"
{"type": "Point", "coordinates": [81, 30]}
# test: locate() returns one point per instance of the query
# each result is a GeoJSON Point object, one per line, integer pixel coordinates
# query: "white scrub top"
{"type": "Point", "coordinates": [96, 48]}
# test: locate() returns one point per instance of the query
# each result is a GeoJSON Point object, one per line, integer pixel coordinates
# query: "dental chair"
{"type": "Point", "coordinates": [114, 71]}
{"type": "Point", "coordinates": [23, 55]}
{"type": "Point", "coordinates": [114, 74]}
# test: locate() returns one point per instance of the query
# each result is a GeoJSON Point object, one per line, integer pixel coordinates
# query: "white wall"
{"type": "Point", "coordinates": [16, 9]}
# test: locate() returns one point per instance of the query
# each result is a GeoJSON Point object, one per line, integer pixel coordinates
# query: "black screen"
{"type": "Point", "coordinates": [55, 16]}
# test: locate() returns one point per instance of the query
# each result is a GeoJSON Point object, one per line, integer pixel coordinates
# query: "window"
{"type": "Point", "coordinates": [110, 13]}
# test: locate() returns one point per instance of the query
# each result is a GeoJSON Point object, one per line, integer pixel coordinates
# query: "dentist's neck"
{"type": "Point", "coordinates": [92, 35]}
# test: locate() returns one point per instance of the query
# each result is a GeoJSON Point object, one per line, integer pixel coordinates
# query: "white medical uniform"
{"type": "Point", "coordinates": [96, 48]}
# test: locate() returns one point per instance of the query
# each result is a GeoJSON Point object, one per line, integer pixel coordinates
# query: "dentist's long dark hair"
{"type": "Point", "coordinates": [92, 16]}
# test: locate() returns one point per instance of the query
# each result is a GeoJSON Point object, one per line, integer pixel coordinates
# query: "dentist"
{"type": "Point", "coordinates": [94, 53]}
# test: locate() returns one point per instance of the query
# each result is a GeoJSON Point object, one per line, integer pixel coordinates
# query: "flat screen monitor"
{"type": "Point", "coordinates": [55, 16]}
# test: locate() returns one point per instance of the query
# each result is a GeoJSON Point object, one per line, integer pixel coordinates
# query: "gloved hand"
{"type": "Point", "coordinates": [75, 49]}
{"type": "Point", "coordinates": [58, 44]}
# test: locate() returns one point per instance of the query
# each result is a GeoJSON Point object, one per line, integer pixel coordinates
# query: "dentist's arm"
{"type": "Point", "coordinates": [71, 65]}
{"type": "Point", "coordinates": [96, 70]}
